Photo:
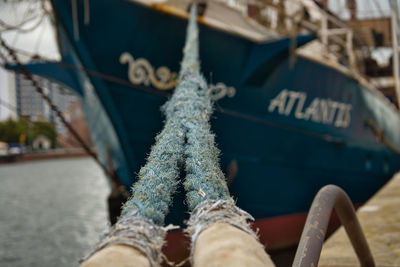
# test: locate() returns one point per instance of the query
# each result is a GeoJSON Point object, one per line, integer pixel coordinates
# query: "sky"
{"type": "Point", "coordinates": [365, 8]}
{"type": "Point", "coordinates": [4, 111]}
{"type": "Point", "coordinates": [42, 40]}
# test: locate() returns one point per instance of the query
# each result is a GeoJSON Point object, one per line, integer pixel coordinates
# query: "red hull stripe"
{"type": "Point", "coordinates": [275, 233]}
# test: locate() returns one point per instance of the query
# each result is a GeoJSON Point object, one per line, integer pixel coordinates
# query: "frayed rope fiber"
{"type": "Point", "coordinates": [222, 211]}
{"type": "Point", "coordinates": [204, 178]}
{"type": "Point", "coordinates": [185, 139]}
{"type": "Point", "coordinates": [135, 231]}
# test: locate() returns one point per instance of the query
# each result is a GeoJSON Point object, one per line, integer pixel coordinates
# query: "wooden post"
{"type": "Point", "coordinates": [395, 53]}
{"type": "Point", "coordinates": [324, 31]}
{"type": "Point", "coordinates": [350, 51]}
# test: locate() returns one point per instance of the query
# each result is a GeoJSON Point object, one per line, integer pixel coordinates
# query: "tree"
{"type": "Point", "coordinates": [45, 128]}
{"type": "Point", "coordinates": [11, 130]}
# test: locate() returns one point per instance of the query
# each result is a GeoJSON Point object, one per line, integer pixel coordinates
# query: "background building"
{"type": "Point", "coordinates": [20, 100]}
{"type": "Point", "coordinates": [8, 106]}
{"type": "Point", "coordinates": [30, 103]}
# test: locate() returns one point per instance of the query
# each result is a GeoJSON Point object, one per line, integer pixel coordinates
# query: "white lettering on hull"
{"type": "Point", "coordinates": [325, 111]}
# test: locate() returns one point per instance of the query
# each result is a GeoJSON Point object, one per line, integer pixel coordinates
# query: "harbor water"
{"type": "Point", "coordinates": [51, 212]}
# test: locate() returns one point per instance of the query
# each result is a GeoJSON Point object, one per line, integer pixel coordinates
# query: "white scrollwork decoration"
{"type": "Point", "coordinates": [141, 72]}
{"type": "Point", "coordinates": [220, 90]}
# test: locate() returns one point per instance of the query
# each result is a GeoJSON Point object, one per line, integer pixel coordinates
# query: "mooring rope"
{"type": "Point", "coordinates": [186, 140]}
{"type": "Point", "coordinates": [204, 178]}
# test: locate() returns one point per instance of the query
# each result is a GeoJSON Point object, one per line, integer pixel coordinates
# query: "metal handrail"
{"type": "Point", "coordinates": [312, 238]}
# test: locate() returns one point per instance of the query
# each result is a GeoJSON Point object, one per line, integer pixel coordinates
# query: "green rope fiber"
{"type": "Point", "coordinates": [186, 138]}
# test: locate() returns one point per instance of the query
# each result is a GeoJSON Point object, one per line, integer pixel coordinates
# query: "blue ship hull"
{"type": "Point", "coordinates": [290, 128]}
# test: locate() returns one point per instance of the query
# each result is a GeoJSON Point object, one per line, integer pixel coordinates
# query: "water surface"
{"type": "Point", "coordinates": [51, 212]}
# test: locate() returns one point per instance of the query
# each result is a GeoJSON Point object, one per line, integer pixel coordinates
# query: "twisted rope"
{"type": "Point", "coordinates": [185, 139]}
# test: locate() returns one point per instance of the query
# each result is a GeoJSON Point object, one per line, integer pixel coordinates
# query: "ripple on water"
{"type": "Point", "coordinates": [51, 212]}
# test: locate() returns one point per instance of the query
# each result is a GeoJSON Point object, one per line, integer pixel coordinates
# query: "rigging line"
{"type": "Point", "coordinates": [39, 39]}
{"type": "Point", "coordinates": [87, 12]}
{"type": "Point", "coordinates": [21, 24]}
{"type": "Point", "coordinates": [247, 117]}
{"type": "Point", "coordinates": [49, 13]}
{"type": "Point", "coordinates": [28, 10]}
{"type": "Point", "coordinates": [371, 12]}
{"type": "Point", "coordinates": [15, 39]}
{"type": "Point", "coordinates": [342, 7]}
{"type": "Point", "coordinates": [30, 54]}
{"type": "Point", "coordinates": [381, 135]}
{"type": "Point", "coordinates": [21, 30]}
{"type": "Point", "coordinates": [97, 74]}
{"type": "Point", "coordinates": [4, 59]}
{"type": "Point", "coordinates": [219, 109]}
{"type": "Point", "coordinates": [44, 8]}
{"type": "Point", "coordinates": [59, 114]}
{"type": "Point", "coordinates": [378, 6]}
{"type": "Point", "coordinates": [75, 19]}
{"type": "Point", "coordinates": [113, 79]}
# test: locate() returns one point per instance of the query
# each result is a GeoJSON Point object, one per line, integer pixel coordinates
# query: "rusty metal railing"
{"type": "Point", "coordinates": [312, 238]}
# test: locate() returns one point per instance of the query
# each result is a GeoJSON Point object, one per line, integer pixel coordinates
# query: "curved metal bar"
{"type": "Point", "coordinates": [312, 238]}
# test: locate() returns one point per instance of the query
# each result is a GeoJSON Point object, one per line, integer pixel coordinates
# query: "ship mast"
{"type": "Point", "coordinates": [352, 6]}
{"type": "Point", "coordinates": [394, 16]}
